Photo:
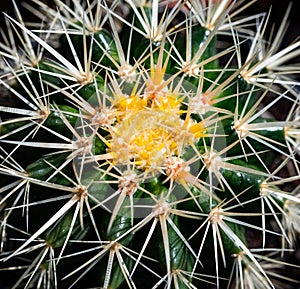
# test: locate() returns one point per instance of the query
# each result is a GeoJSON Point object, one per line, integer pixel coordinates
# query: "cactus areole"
{"type": "Point", "coordinates": [139, 147]}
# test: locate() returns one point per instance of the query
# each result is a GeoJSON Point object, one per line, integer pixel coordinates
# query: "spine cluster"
{"type": "Point", "coordinates": [139, 148]}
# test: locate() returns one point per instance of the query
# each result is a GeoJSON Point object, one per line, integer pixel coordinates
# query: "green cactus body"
{"type": "Point", "coordinates": [153, 124]}
{"type": "Point", "coordinates": [56, 236]}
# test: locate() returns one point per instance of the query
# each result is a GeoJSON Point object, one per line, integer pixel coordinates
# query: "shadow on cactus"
{"type": "Point", "coordinates": [139, 149]}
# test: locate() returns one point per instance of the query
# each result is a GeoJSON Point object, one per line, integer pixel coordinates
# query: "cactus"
{"type": "Point", "coordinates": [139, 148]}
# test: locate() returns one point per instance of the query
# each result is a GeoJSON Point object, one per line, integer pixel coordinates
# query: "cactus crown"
{"type": "Point", "coordinates": [140, 147]}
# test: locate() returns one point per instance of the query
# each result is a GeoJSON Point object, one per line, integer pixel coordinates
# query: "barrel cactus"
{"type": "Point", "coordinates": [139, 148]}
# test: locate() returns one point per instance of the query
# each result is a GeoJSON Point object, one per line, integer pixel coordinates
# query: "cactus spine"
{"type": "Point", "coordinates": [139, 148]}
